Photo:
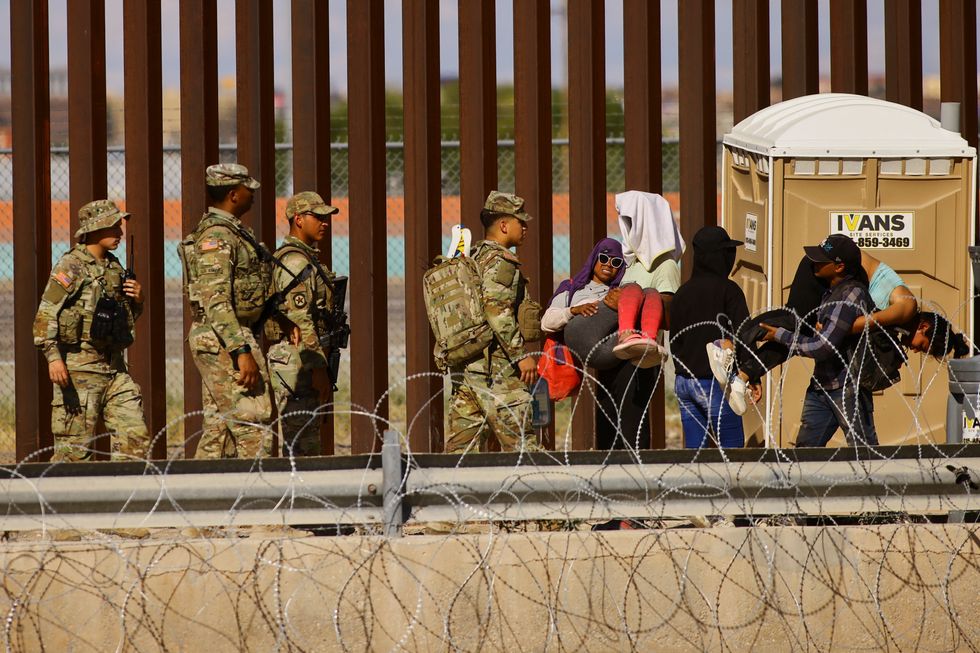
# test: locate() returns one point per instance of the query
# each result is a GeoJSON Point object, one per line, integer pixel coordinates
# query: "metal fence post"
{"type": "Point", "coordinates": [801, 50]}
{"type": "Point", "coordinates": [391, 483]}
{"type": "Point", "coordinates": [198, 150]}
{"type": "Point", "coordinates": [848, 47]}
{"type": "Point", "coordinates": [367, 206]}
{"type": "Point", "coordinates": [423, 217]}
{"type": "Point", "coordinates": [30, 111]}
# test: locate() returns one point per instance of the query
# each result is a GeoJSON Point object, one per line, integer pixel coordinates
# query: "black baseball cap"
{"type": "Point", "coordinates": [836, 248]}
{"type": "Point", "coordinates": [710, 239]}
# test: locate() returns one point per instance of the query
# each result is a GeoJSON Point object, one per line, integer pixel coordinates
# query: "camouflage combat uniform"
{"type": "Point", "coordinates": [307, 305]}
{"type": "Point", "coordinates": [488, 394]}
{"type": "Point", "coordinates": [99, 384]}
{"type": "Point", "coordinates": [227, 284]}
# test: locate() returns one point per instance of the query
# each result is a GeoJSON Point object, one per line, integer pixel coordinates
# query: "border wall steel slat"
{"type": "Point", "coordinates": [144, 199]}
{"type": "Point", "coordinates": [586, 127]}
{"type": "Point", "coordinates": [800, 48]}
{"type": "Point", "coordinates": [643, 126]}
{"type": "Point", "coordinates": [903, 52]}
{"type": "Point", "coordinates": [750, 47]}
{"type": "Point", "coordinates": [198, 149]}
{"type": "Point", "coordinates": [30, 109]}
{"type": "Point", "coordinates": [643, 95]}
{"type": "Point", "coordinates": [849, 46]}
{"type": "Point", "coordinates": [87, 173]}
{"type": "Point", "coordinates": [958, 75]}
{"type": "Point", "coordinates": [311, 132]}
{"type": "Point", "coordinates": [696, 58]}
{"type": "Point", "coordinates": [311, 101]}
{"type": "Point", "coordinates": [586, 159]}
{"type": "Point", "coordinates": [477, 108]}
{"type": "Point", "coordinates": [532, 150]}
{"type": "Point", "coordinates": [256, 109]}
{"type": "Point", "coordinates": [87, 169]}
{"type": "Point", "coordinates": [423, 216]}
{"type": "Point", "coordinates": [958, 61]}
{"type": "Point", "coordinates": [366, 155]}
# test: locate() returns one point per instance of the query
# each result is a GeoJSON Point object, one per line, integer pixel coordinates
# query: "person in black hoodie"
{"type": "Point", "coordinates": [709, 306]}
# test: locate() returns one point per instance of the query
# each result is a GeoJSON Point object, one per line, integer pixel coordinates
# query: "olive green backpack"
{"type": "Point", "coordinates": [452, 292]}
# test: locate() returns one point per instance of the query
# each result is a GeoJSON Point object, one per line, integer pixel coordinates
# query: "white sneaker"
{"type": "Point", "coordinates": [721, 361]}
{"type": "Point", "coordinates": [736, 395]}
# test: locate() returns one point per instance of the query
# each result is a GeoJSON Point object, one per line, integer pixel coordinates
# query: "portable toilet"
{"type": "Point", "coordinates": [888, 176]}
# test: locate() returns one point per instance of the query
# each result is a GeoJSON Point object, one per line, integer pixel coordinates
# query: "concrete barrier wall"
{"type": "Point", "coordinates": [895, 587]}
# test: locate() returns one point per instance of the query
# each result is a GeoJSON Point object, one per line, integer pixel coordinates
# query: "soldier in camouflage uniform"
{"type": "Point", "coordinates": [227, 281]}
{"type": "Point", "coordinates": [83, 324]}
{"type": "Point", "coordinates": [298, 359]}
{"type": "Point", "coordinates": [490, 393]}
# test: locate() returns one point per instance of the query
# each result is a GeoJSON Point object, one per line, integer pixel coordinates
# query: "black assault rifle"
{"type": "Point", "coordinates": [339, 335]}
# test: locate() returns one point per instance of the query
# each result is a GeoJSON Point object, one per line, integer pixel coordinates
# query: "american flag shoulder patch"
{"type": "Point", "coordinates": [209, 245]}
{"type": "Point", "coordinates": [63, 278]}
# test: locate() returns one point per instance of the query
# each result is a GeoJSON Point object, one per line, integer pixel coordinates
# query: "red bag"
{"type": "Point", "coordinates": [557, 366]}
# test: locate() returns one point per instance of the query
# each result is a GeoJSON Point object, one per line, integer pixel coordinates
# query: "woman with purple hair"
{"type": "Point", "coordinates": [581, 294]}
{"type": "Point", "coordinates": [584, 311]}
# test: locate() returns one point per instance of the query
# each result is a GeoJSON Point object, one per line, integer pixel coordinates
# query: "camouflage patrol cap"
{"type": "Point", "coordinates": [506, 204]}
{"type": "Point", "coordinates": [229, 174]}
{"type": "Point", "coordinates": [308, 202]}
{"type": "Point", "coordinates": [98, 215]}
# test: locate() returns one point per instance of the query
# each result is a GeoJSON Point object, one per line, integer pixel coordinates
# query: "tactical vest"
{"type": "Point", "coordinates": [75, 317]}
{"type": "Point", "coordinates": [251, 277]}
{"type": "Point", "coordinates": [320, 313]}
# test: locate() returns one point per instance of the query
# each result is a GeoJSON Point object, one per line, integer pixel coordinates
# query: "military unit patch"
{"type": "Point", "coordinates": [299, 300]}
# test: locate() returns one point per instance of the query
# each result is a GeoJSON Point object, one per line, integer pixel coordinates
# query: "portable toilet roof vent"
{"type": "Point", "coordinates": [844, 125]}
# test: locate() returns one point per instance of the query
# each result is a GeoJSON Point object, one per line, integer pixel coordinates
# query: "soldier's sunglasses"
{"type": "Point", "coordinates": [612, 261]}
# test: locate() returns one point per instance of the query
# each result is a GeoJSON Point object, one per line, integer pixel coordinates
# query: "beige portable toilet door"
{"type": "Point", "coordinates": [746, 206]}
{"type": "Point", "coordinates": [928, 214]}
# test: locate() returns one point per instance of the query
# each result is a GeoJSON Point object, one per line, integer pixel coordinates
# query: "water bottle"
{"type": "Point", "coordinates": [540, 404]}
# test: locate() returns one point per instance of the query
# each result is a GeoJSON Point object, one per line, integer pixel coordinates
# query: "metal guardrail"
{"type": "Point", "coordinates": [392, 489]}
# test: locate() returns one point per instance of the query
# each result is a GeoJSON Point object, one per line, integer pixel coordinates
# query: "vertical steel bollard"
{"type": "Point", "coordinates": [391, 477]}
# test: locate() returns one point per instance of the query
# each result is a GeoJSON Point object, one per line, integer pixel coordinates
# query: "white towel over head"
{"type": "Point", "coordinates": [648, 228]}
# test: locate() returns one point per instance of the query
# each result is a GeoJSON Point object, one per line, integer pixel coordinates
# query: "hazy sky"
{"type": "Point", "coordinates": [449, 40]}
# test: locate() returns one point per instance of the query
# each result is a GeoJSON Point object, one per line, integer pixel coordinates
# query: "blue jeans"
{"type": "Point", "coordinates": [824, 411]}
{"type": "Point", "coordinates": [704, 411]}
